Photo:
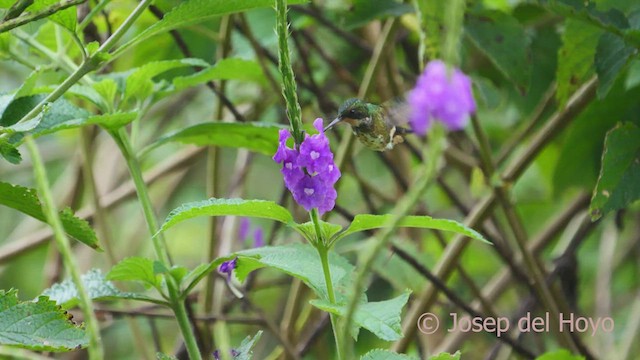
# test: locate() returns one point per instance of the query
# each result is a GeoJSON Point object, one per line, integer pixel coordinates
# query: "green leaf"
{"type": "Point", "coordinates": [575, 57]}
{"type": "Point", "coordinates": [380, 354]}
{"type": "Point", "coordinates": [308, 230]}
{"type": "Point", "coordinates": [38, 325]}
{"type": "Point", "coordinates": [135, 269]}
{"type": "Point", "coordinates": [191, 12]}
{"type": "Point", "coordinates": [362, 12]}
{"type": "Point", "coordinates": [225, 207]}
{"type": "Point", "coordinates": [161, 356]}
{"type": "Point", "coordinates": [258, 137]}
{"type": "Point", "coordinates": [503, 40]}
{"type": "Point", "coordinates": [193, 277]}
{"type": "Point", "coordinates": [382, 318]}
{"type": "Point", "coordinates": [245, 350]}
{"type": "Point", "coordinates": [619, 181]}
{"type": "Point", "coordinates": [139, 84]}
{"type": "Point", "coordinates": [561, 354]}
{"type": "Point", "coordinates": [26, 201]}
{"type": "Point", "coordinates": [364, 222]}
{"type": "Point", "coordinates": [611, 57]}
{"type": "Point", "coordinates": [298, 260]}
{"type": "Point", "coordinates": [66, 17]}
{"type": "Point", "coordinates": [446, 356]}
{"type": "Point", "coordinates": [612, 20]}
{"type": "Point", "coordinates": [98, 288]}
{"type": "Point", "coordinates": [9, 152]}
{"type": "Point", "coordinates": [225, 69]}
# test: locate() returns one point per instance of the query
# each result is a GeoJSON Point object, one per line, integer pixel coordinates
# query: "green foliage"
{"type": "Point", "coordinates": [26, 201]}
{"type": "Point", "coordinates": [364, 222]}
{"type": "Point", "coordinates": [612, 54]}
{"type": "Point", "coordinates": [66, 17]}
{"type": "Point", "coordinates": [380, 354]}
{"type": "Point", "coordinates": [308, 230]}
{"type": "Point", "coordinates": [225, 69]}
{"type": "Point", "coordinates": [298, 260]}
{"type": "Point", "coordinates": [139, 84]}
{"type": "Point", "coordinates": [38, 325]}
{"type": "Point", "coordinates": [502, 39]}
{"type": "Point", "coordinates": [135, 269]}
{"type": "Point", "coordinates": [245, 350]}
{"type": "Point", "coordinates": [364, 11]}
{"type": "Point", "coordinates": [224, 207]}
{"type": "Point", "coordinates": [446, 356]}
{"type": "Point", "coordinates": [98, 288]}
{"type": "Point", "coordinates": [191, 12]}
{"type": "Point", "coordinates": [575, 57]}
{"type": "Point", "coordinates": [382, 318]}
{"type": "Point", "coordinates": [258, 137]}
{"type": "Point", "coordinates": [561, 354]}
{"type": "Point", "coordinates": [619, 180]}
{"type": "Point", "coordinates": [161, 356]}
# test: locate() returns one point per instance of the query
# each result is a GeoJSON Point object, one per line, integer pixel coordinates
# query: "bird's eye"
{"type": "Point", "coordinates": [352, 112]}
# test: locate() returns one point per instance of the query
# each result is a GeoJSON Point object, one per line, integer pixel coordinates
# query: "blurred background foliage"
{"type": "Point", "coordinates": [526, 59]}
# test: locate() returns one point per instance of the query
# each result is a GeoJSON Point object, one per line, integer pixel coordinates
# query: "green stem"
{"type": "Point", "coordinates": [94, 11]}
{"type": "Point", "coordinates": [177, 302]}
{"type": "Point", "coordinates": [405, 204]}
{"type": "Point", "coordinates": [288, 79]}
{"type": "Point", "coordinates": [323, 251]}
{"type": "Point", "coordinates": [96, 351]}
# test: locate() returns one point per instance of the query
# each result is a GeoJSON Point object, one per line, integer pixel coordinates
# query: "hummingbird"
{"type": "Point", "coordinates": [377, 127]}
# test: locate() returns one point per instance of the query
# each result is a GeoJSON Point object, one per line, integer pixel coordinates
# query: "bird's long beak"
{"type": "Point", "coordinates": [335, 121]}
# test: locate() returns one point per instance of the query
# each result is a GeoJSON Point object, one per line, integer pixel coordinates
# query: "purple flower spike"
{"type": "Point", "coordinates": [226, 268]}
{"type": "Point", "coordinates": [441, 95]}
{"type": "Point", "coordinates": [309, 171]}
{"type": "Point", "coordinates": [243, 230]}
{"type": "Point", "coordinates": [258, 238]}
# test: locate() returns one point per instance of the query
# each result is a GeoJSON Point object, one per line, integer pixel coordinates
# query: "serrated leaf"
{"type": "Point", "coordinates": [258, 137]}
{"type": "Point", "coordinates": [66, 17]}
{"type": "Point", "coordinates": [26, 201]}
{"type": "Point", "coordinates": [364, 222]}
{"type": "Point", "coordinates": [225, 207]}
{"type": "Point", "coordinates": [245, 350]}
{"type": "Point", "coordinates": [575, 57]}
{"type": "Point", "coordinates": [308, 230]}
{"type": "Point", "coordinates": [382, 318]}
{"type": "Point", "coordinates": [225, 69]}
{"type": "Point", "coordinates": [139, 82]}
{"type": "Point", "coordinates": [97, 287]}
{"type": "Point", "coordinates": [446, 356]}
{"type": "Point", "coordinates": [38, 325]}
{"type": "Point", "coordinates": [381, 354]}
{"type": "Point", "coordinates": [503, 40]}
{"type": "Point", "coordinates": [612, 54]}
{"type": "Point", "coordinates": [619, 180]}
{"type": "Point", "coordinates": [609, 20]}
{"type": "Point", "coordinates": [135, 269]}
{"type": "Point", "coordinates": [298, 260]}
{"type": "Point", "coordinates": [191, 12]}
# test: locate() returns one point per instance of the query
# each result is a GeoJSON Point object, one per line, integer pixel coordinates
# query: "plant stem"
{"type": "Point", "coordinates": [407, 202]}
{"type": "Point", "coordinates": [159, 245]}
{"type": "Point", "coordinates": [323, 251]}
{"type": "Point", "coordinates": [96, 351]}
{"type": "Point", "coordinates": [288, 79]}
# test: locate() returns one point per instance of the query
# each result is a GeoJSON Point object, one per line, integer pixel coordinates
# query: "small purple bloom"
{"type": "Point", "coordinates": [309, 171]}
{"type": "Point", "coordinates": [234, 353]}
{"type": "Point", "coordinates": [227, 267]}
{"type": "Point", "coordinates": [258, 238]}
{"type": "Point", "coordinates": [243, 229]}
{"type": "Point", "coordinates": [442, 95]}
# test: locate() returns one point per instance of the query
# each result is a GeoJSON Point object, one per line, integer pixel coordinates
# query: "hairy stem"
{"type": "Point", "coordinates": [96, 351]}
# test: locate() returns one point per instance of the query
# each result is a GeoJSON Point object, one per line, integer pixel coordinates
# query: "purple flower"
{"type": "Point", "coordinates": [234, 353]}
{"type": "Point", "coordinates": [243, 230]}
{"type": "Point", "coordinates": [226, 268]}
{"type": "Point", "coordinates": [309, 171]}
{"type": "Point", "coordinates": [443, 95]}
{"type": "Point", "coordinates": [258, 238]}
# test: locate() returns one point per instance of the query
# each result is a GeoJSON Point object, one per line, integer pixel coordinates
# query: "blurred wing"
{"type": "Point", "coordinates": [398, 111]}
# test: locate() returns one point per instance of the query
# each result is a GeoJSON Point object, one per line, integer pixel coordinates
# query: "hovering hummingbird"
{"type": "Point", "coordinates": [377, 127]}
